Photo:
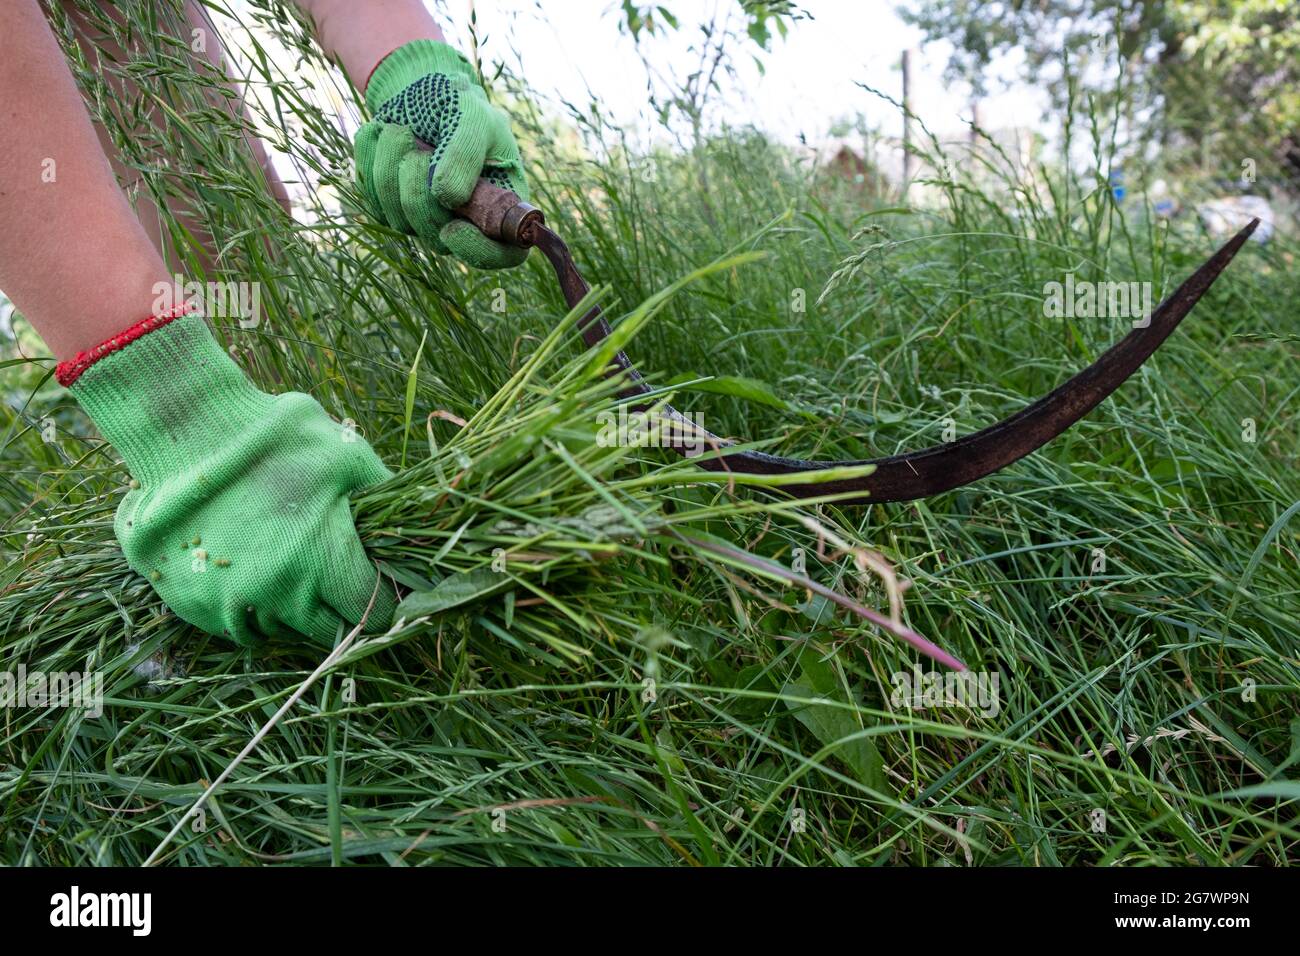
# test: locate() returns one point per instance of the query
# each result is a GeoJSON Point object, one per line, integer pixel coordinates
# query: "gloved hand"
{"type": "Point", "coordinates": [238, 511]}
{"type": "Point", "coordinates": [424, 92]}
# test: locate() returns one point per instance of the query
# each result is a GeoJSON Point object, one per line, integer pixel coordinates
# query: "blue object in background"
{"type": "Point", "coordinates": [1117, 184]}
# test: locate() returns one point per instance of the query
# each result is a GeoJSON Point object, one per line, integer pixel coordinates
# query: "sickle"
{"type": "Point", "coordinates": [503, 216]}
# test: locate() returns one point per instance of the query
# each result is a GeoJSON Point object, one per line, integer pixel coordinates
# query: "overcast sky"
{"type": "Point", "coordinates": [568, 46]}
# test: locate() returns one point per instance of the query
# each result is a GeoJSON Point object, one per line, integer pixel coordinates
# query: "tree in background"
{"type": "Point", "coordinates": [751, 23]}
{"type": "Point", "coordinates": [1215, 84]}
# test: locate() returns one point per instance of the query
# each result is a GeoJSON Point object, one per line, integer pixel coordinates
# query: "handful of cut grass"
{"type": "Point", "coordinates": [528, 525]}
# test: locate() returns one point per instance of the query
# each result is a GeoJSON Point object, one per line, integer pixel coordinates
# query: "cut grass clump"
{"type": "Point", "coordinates": [528, 509]}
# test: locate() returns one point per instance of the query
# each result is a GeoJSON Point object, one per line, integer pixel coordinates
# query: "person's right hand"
{"type": "Point", "coordinates": [434, 134]}
{"type": "Point", "coordinates": [238, 512]}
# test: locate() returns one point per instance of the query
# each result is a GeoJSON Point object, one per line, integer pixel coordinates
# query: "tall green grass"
{"type": "Point", "coordinates": [630, 696]}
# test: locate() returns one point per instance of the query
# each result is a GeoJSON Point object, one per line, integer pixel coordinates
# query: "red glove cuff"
{"type": "Point", "coordinates": [71, 370]}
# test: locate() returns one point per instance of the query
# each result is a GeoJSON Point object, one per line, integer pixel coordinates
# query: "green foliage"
{"type": "Point", "coordinates": [720, 37]}
{"type": "Point", "coordinates": [761, 18]}
{"type": "Point", "coordinates": [1214, 81]}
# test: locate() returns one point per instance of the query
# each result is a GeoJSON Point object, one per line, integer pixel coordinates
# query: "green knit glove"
{"type": "Point", "coordinates": [238, 511]}
{"type": "Point", "coordinates": [433, 135]}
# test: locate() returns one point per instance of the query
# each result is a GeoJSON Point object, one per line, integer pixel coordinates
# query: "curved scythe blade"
{"type": "Point", "coordinates": [941, 468]}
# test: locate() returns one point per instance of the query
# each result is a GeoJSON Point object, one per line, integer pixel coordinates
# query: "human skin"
{"type": "Point", "coordinates": [358, 35]}
{"type": "Point", "coordinates": [60, 201]}
{"type": "Point", "coordinates": [137, 111]}
{"type": "Point", "coordinates": [78, 262]}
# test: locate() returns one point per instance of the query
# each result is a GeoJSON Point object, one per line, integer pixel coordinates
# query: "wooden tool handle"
{"type": "Point", "coordinates": [501, 215]}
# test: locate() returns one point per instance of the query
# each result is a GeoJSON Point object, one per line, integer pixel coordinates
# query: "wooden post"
{"type": "Point", "coordinates": [907, 119]}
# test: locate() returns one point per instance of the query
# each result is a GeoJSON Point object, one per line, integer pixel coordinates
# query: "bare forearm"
{"type": "Point", "coordinates": [73, 257]}
{"type": "Point", "coordinates": [357, 35]}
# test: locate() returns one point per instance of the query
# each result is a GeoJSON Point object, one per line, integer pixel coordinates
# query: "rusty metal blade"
{"type": "Point", "coordinates": [941, 468]}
